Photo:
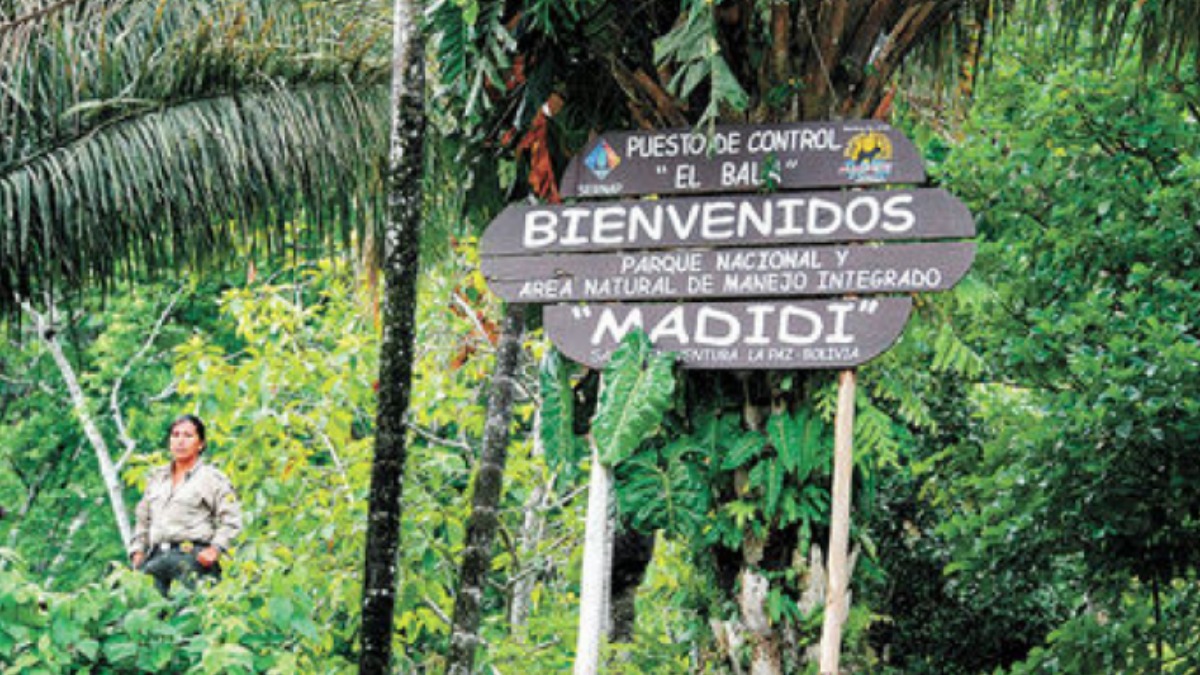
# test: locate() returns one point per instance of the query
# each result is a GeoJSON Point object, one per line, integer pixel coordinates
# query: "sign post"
{"type": "Point", "coordinates": [597, 560]}
{"type": "Point", "coordinates": [810, 279]}
{"type": "Point", "coordinates": [836, 607]}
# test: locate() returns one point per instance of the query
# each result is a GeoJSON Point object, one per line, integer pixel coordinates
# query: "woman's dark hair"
{"type": "Point", "coordinates": [195, 422]}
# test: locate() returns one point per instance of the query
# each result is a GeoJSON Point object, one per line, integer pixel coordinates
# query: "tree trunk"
{"type": "Point", "coordinates": [401, 257]}
{"type": "Point", "coordinates": [765, 658]}
{"type": "Point", "coordinates": [532, 529]}
{"type": "Point", "coordinates": [108, 470]}
{"type": "Point", "coordinates": [489, 481]}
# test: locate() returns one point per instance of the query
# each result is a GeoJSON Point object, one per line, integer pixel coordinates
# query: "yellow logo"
{"type": "Point", "coordinates": [868, 157]}
{"type": "Point", "coordinates": [186, 547]}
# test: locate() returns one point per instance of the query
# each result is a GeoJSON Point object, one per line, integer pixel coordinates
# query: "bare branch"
{"type": "Point", "coordinates": [436, 610]}
{"type": "Point", "coordinates": [108, 471]}
{"type": "Point", "coordinates": [432, 437]}
{"type": "Point", "coordinates": [166, 393]}
{"type": "Point", "coordinates": [337, 461]}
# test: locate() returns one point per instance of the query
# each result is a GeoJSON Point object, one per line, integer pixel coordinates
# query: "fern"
{"type": "Point", "coordinates": [951, 354]}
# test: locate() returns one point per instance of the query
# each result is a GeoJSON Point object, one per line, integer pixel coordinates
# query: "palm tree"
{"type": "Point", "coordinates": [139, 136]}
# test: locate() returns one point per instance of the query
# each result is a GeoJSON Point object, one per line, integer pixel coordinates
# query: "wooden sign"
{"type": "Point", "coordinates": [786, 218]}
{"type": "Point", "coordinates": [743, 159]}
{"type": "Point", "coordinates": [738, 335]}
{"type": "Point", "coordinates": [729, 272]}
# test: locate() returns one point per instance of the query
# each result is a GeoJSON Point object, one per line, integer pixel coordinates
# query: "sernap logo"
{"type": "Point", "coordinates": [868, 158]}
{"type": "Point", "coordinates": [602, 160]}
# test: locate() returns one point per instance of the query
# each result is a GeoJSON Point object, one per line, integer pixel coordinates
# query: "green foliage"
{"type": "Point", "coordinates": [691, 48]}
{"type": "Point", "coordinates": [635, 392]}
{"type": "Point", "coordinates": [134, 135]}
{"type": "Point", "coordinates": [475, 51]}
{"type": "Point", "coordinates": [1090, 258]}
{"type": "Point", "coordinates": [1055, 491]}
{"type": "Point", "coordinates": [118, 625]}
{"type": "Point", "coordinates": [1127, 638]}
{"type": "Point", "coordinates": [288, 397]}
{"type": "Point", "coordinates": [563, 448]}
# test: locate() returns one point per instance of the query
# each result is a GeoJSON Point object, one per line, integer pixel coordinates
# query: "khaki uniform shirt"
{"type": "Point", "coordinates": [202, 508]}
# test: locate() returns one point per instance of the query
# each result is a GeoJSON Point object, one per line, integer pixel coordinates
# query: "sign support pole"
{"type": "Point", "coordinates": [836, 606]}
{"type": "Point", "coordinates": [597, 561]}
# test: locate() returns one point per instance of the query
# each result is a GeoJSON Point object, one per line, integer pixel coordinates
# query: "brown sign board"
{"type": "Point", "coordinates": [720, 220]}
{"type": "Point", "coordinates": [729, 272]}
{"type": "Point", "coordinates": [743, 159]}
{"type": "Point", "coordinates": [769, 334]}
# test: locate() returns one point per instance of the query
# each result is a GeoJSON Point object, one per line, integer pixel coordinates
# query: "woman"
{"type": "Point", "coordinates": [189, 514]}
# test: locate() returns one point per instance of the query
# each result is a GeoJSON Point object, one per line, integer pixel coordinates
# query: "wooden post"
{"type": "Point", "coordinates": [836, 608]}
{"type": "Point", "coordinates": [597, 559]}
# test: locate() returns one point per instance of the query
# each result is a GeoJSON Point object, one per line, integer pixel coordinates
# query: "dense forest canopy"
{"type": "Point", "coordinates": [1026, 491]}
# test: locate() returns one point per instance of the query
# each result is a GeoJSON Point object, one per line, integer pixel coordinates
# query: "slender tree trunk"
{"type": "Point", "coordinates": [532, 528]}
{"type": "Point", "coordinates": [401, 249]}
{"type": "Point", "coordinates": [489, 481]}
{"type": "Point", "coordinates": [108, 470]}
{"type": "Point", "coordinates": [597, 561]}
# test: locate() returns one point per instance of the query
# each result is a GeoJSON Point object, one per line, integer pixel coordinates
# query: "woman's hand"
{"type": "Point", "coordinates": [137, 559]}
{"type": "Point", "coordinates": [208, 557]}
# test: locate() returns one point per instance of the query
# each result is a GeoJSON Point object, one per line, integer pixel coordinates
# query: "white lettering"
{"type": "Point", "coordinates": [540, 229]}
{"type": "Point", "coordinates": [609, 225]}
{"type": "Point", "coordinates": [833, 214]}
{"type": "Point", "coordinates": [899, 208]}
{"type": "Point", "coordinates": [672, 325]}
{"type": "Point", "coordinates": [718, 220]}
{"type": "Point", "coordinates": [815, 325]}
{"type": "Point", "coordinates": [855, 223]}
{"type": "Point", "coordinates": [683, 230]}
{"type": "Point", "coordinates": [607, 324]}
{"type": "Point", "coordinates": [574, 217]}
{"type": "Point", "coordinates": [706, 317]}
{"type": "Point", "coordinates": [758, 336]}
{"type": "Point", "coordinates": [839, 311]}
{"type": "Point", "coordinates": [860, 216]}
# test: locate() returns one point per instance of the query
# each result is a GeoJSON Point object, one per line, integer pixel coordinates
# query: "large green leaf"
{"type": "Point", "coordinates": [636, 390]}
{"type": "Point", "coordinates": [557, 430]}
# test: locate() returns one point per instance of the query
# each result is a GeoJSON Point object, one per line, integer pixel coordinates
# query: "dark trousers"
{"type": "Point", "coordinates": [174, 565]}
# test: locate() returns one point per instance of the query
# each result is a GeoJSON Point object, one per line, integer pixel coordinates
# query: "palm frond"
{"type": "Point", "coordinates": [137, 135]}
{"type": "Point", "coordinates": [174, 186]}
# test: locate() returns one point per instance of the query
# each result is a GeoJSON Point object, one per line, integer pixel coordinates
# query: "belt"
{"type": "Point", "coordinates": [182, 546]}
